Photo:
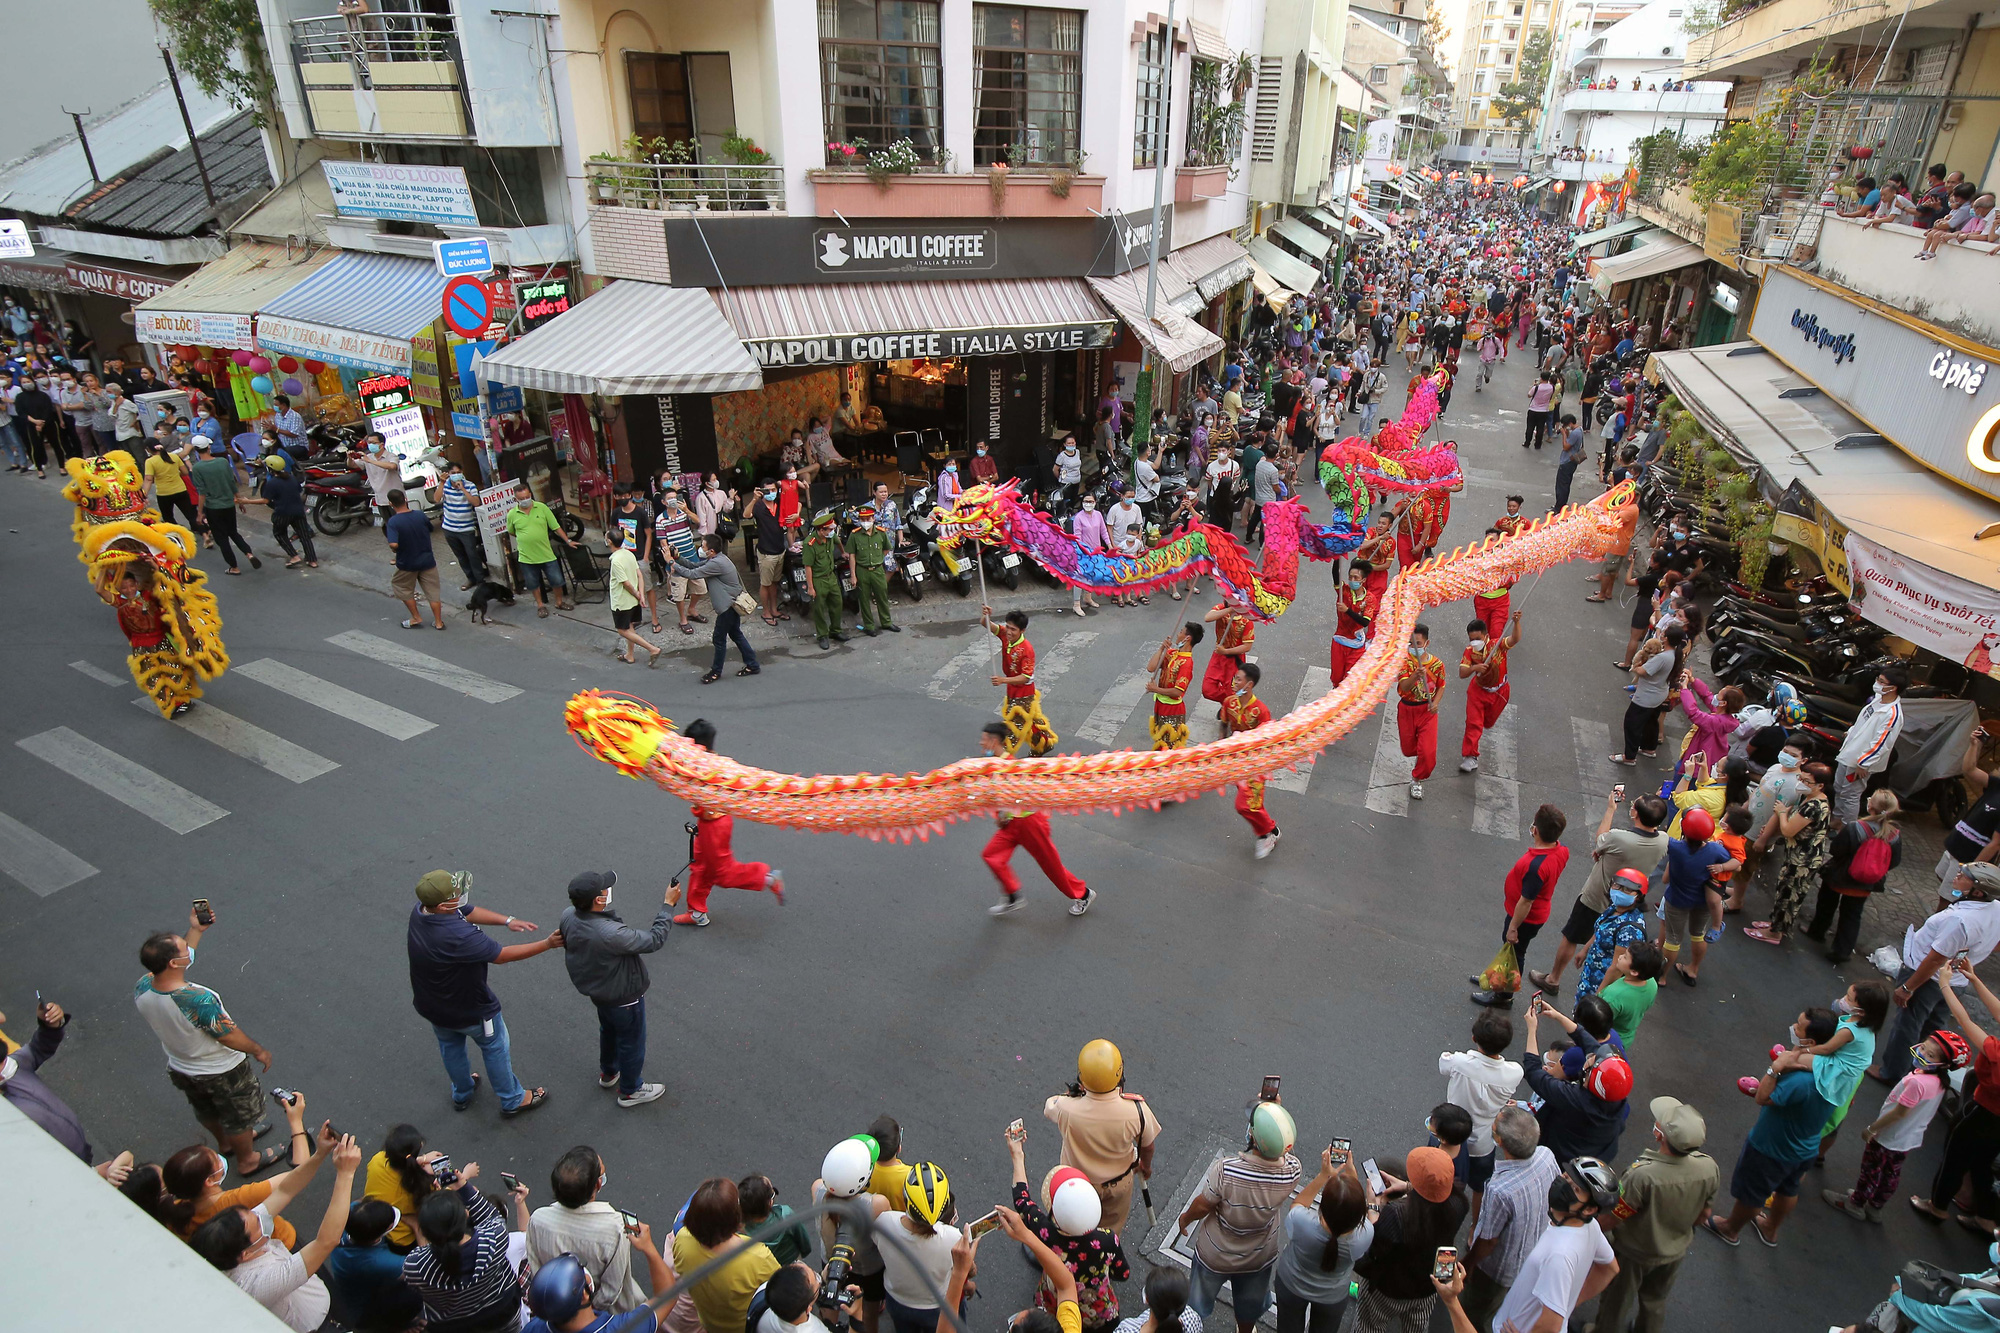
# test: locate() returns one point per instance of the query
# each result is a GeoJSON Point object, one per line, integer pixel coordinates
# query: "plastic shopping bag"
{"type": "Point", "coordinates": [1503, 975]}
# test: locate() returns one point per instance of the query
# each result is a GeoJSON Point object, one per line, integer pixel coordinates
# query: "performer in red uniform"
{"type": "Point", "coordinates": [713, 862]}
{"type": "Point", "coordinates": [1021, 707]}
{"type": "Point", "coordinates": [1356, 617]}
{"type": "Point", "coordinates": [1491, 606]}
{"type": "Point", "coordinates": [1234, 637]}
{"type": "Point", "coordinates": [1420, 692]}
{"type": "Point", "coordinates": [1242, 711]}
{"type": "Point", "coordinates": [1513, 520]}
{"type": "Point", "coordinates": [1484, 663]}
{"type": "Point", "coordinates": [1029, 829]}
{"type": "Point", "coordinates": [1172, 667]}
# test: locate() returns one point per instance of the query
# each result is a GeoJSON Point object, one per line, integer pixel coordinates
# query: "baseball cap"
{"type": "Point", "coordinates": [1430, 1173]}
{"type": "Point", "coordinates": [1983, 873]}
{"type": "Point", "coordinates": [584, 888]}
{"type": "Point", "coordinates": [1680, 1124]}
{"type": "Point", "coordinates": [441, 886]}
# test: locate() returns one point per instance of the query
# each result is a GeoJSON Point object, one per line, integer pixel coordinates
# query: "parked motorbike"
{"type": "Point", "coordinates": [947, 566]}
{"type": "Point", "coordinates": [911, 571]}
{"type": "Point", "coordinates": [340, 502]}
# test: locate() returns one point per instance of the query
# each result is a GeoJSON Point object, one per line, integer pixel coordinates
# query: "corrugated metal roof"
{"type": "Point", "coordinates": [166, 198]}
{"type": "Point", "coordinates": [55, 175]}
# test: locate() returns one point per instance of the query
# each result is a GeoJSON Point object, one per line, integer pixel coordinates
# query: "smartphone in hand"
{"type": "Point", "coordinates": [1374, 1175]}
{"type": "Point", "coordinates": [1342, 1150]}
{"type": "Point", "coordinates": [204, 915]}
{"type": "Point", "coordinates": [1446, 1263]}
{"type": "Point", "coordinates": [980, 1226]}
{"type": "Point", "coordinates": [1269, 1092]}
{"type": "Point", "coordinates": [511, 1182]}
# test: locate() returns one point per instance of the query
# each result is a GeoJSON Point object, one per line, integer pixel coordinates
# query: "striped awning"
{"type": "Point", "coordinates": [1315, 244]}
{"type": "Point", "coordinates": [360, 311]}
{"type": "Point", "coordinates": [1169, 335]}
{"type": "Point", "coordinates": [1292, 271]}
{"type": "Point", "coordinates": [1213, 266]}
{"type": "Point", "coordinates": [1643, 262]}
{"type": "Point", "coordinates": [829, 324]}
{"type": "Point", "coordinates": [632, 337]}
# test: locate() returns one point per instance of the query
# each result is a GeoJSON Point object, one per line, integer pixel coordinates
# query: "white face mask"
{"type": "Point", "coordinates": [1881, 690]}
{"type": "Point", "coordinates": [607, 901]}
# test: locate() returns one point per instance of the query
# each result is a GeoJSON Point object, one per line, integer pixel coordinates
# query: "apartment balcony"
{"type": "Point", "coordinates": [1462, 155]}
{"type": "Point", "coordinates": [687, 187]}
{"type": "Point", "coordinates": [382, 76]}
{"type": "Point", "coordinates": [1772, 37]}
{"type": "Point", "coordinates": [1958, 291]}
{"type": "Point", "coordinates": [1023, 193]}
{"type": "Point", "coordinates": [1695, 105]}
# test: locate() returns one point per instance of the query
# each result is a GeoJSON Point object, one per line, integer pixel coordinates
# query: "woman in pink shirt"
{"type": "Point", "coordinates": [1088, 529]}
{"type": "Point", "coordinates": [1709, 735]}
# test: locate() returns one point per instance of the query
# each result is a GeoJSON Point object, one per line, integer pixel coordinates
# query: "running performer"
{"type": "Point", "coordinates": [1172, 665]}
{"type": "Point", "coordinates": [1484, 663]}
{"type": "Point", "coordinates": [1420, 693]}
{"type": "Point", "coordinates": [1355, 610]}
{"type": "Point", "coordinates": [712, 860]}
{"type": "Point", "coordinates": [1234, 636]}
{"type": "Point", "coordinates": [1491, 606]}
{"type": "Point", "coordinates": [1029, 829]}
{"type": "Point", "coordinates": [1022, 710]}
{"type": "Point", "coordinates": [1242, 711]}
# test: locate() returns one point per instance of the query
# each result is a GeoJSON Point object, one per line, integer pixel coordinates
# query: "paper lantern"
{"type": "Point", "coordinates": [292, 386]}
{"type": "Point", "coordinates": [315, 367]}
{"type": "Point", "coordinates": [259, 364]}
{"type": "Point", "coordinates": [288, 364]}
{"type": "Point", "coordinates": [241, 357]}
{"type": "Point", "coordinates": [261, 383]}
{"type": "Point", "coordinates": [1560, 186]}
{"type": "Point", "coordinates": [204, 367]}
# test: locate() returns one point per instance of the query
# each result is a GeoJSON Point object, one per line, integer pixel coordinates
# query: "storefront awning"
{"type": "Point", "coordinates": [632, 337]}
{"type": "Point", "coordinates": [360, 311]}
{"type": "Point", "coordinates": [1213, 265]}
{"type": "Point", "coordinates": [1325, 221]}
{"type": "Point", "coordinates": [1294, 272]}
{"type": "Point", "coordinates": [214, 306]}
{"type": "Point", "coordinates": [1735, 390]}
{"type": "Point", "coordinates": [1170, 335]}
{"type": "Point", "coordinates": [829, 324]}
{"type": "Point", "coordinates": [1370, 221]}
{"type": "Point", "coordinates": [1538, 183]}
{"type": "Point", "coordinates": [1276, 293]}
{"type": "Point", "coordinates": [1305, 238]}
{"type": "Point", "coordinates": [1644, 263]}
{"type": "Point", "coordinates": [1611, 233]}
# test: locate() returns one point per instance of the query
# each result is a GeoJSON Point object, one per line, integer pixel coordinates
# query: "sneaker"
{"type": "Point", "coordinates": [775, 882]}
{"type": "Point", "coordinates": [1417, 791]}
{"type": "Point", "coordinates": [691, 919]}
{"type": "Point", "coordinates": [1266, 843]}
{"type": "Point", "coordinates": [1009, 903]}
{"type": "Point", "coordinates": [1082, 905]}
{"type": "Point", "coordinates": [607, 1080]}
{"type": "Point", "coordinates": [1468, 764]}
{"type": "Point", "coordinates": [645, 1092]}
{"type": "Point", "coordinates": [1844, 1201]}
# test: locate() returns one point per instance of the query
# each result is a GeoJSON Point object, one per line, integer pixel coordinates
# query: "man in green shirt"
{"type": "Point", "coordinates": [215, 482]}
{"type": "Point", "coordinates": [867, 557]}
{"type": "Point", "coordinates": [531, 525]}
{"type": "Point", "coordinates": [822, 580]}
{"type": "Point", "coordinates": [1662, 1198]}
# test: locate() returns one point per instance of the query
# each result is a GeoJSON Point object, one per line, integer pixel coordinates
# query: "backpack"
{"type": "Point", "coordinates": [1870, 864]}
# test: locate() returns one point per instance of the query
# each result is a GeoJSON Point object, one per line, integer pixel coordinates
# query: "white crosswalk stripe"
{"type": "Point", "coordinates": [424, 666]}
{"type": "Point", "coordinates": [336, 699]}
{"type": "Point", "coordinates": [1108, 718]}
{"type": "Point", "coordinates": [1496, 789]}
{"type": "Point", "coordinates": [1055, 666]}
{"type": "Point", "coordinates": [1593, 755]}
{"type": "Point", "coordinates": [952, 674]}
{"type": "Point", "coordinates": [38, 865]}
{"type": "Point", "coordinates": [164, 802]}
{"type": "Point", "coordinates": [1317, 682]}
{"type": "Point", "coordinates": [98, 673]}
{"type": "Point", "coordinates": [292, 762]}
{"type": "Point", "coordinates": [1389, 775]}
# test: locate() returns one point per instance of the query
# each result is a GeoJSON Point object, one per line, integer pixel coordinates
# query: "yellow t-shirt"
{"type": "Point", "coordinates": [1070, 1319]}
{"type": "Point", "coordinates": [723, 1298]}
{"type": "Point", "coordinates": [889, 1179]}
{"type": "Point", "coordinates": [164, 471]}
{"type": "Point", "coordinates": [383, 1183]}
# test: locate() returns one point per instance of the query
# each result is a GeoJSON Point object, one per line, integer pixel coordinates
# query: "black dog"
{"type": "Point", "coordinates": [483, 596]}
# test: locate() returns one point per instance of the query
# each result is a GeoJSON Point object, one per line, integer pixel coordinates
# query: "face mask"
{"type": "Point", "coordinates": [770, 492]}
{"type": "Point", "coordinates": [791, 474]}
{"type": "Point", "coordinates": [1922, 1060]}
{"type": "Point", "coordinates": [1881, 691]}
{"type": "Point", "coordinates": [1623, 897]}
{"type": "Point", "coordinates": [867, 523]}
{"type": "Point", "coordinates": [951, 468]}
{"type": "Point", "coordinates": [7, 1068]}
{"type": "Point", "coordinates": [1841, 1006]}
{"type": "Point", "coordinates": [982, 453]}
{"type": "Point", "coordinates": [463, 901]}
{"type": "Point", "coordinates": [1069, 448]}
{"type": "Point", "coordinates": [1788, 760]}
{"type": "Point", "coordinates": [1951, 893]}
{"type": "Point", "coordinates": [607, 900]}
{"type": "Point", "coordinates": [1090, 504]}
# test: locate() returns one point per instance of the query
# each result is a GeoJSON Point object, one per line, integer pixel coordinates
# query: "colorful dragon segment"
{"type": "Point", "coordinates": [1355, 474]}
{"type": "Point", "coordinates": [635, 739]}
{"type": "Point", "coordinates": [139, 566]}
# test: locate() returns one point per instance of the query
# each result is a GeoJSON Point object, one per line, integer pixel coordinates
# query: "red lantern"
{"type": "Point", "coordinates": [1560, 186]}
{"type": "Point", "coordinates": [315, 367]}
{"type": "Point", "coordinates": [259, 365]}
{"type": "Point", "coordinates": [203, 367]}
{"type": "Point", "coordinates": [288, 364]}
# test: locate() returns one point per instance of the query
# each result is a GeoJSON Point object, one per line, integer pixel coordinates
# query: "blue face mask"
{"type": "Point", "coordinates": [1623, 897]}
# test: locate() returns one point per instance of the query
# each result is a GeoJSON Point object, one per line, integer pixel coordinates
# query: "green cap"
{"type": "Point", "coordinates": [441, 886]}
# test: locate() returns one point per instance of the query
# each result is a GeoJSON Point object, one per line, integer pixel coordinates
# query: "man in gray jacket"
{"type": "Point", "coordinates": [603, 956]}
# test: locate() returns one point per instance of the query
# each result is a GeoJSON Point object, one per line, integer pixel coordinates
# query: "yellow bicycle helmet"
{"type": "Point", "coordinates": [927, 1192]}
{"type": "Point", "coordinates": [1099, 1066]}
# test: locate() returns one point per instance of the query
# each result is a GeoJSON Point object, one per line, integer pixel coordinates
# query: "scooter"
{"type": "Point", "coordinates": [1002, 566]}
{"type": "Point", "coordinates": [340, 502]}
{"type": "Point", "coordinates": [910, 569]}
{"type": "Point", "coordinates": [947, 566]}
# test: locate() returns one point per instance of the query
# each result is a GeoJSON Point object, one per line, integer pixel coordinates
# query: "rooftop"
{"type": "Point", "coordinates": [164, 196]}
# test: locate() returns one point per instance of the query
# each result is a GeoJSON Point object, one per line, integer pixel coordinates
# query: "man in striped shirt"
{"type": "Point", "coordinates": [676, 539]}
{"type": "Point", "coordinates": [460, 528]}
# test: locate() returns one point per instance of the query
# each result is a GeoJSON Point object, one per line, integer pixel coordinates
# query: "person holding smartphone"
{"type": "Point", "coordinates": [1329, 1226]}
{"type": "Point", "coordinates": [581, 1224]}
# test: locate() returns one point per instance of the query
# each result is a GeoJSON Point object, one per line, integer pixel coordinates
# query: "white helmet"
{"type": "Point", "coordinates": [1073, 1203]}
{"type": "Point", "coordinates": [849, 1164]}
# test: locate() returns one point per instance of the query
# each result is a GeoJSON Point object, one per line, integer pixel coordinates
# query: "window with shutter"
{"type": "Point", "coordinates": [1266, 103]}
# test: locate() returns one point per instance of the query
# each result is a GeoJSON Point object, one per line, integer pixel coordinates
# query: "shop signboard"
{"type": "Point", "coordinates": [465, 419]}
{"type": "Point", "coordinates": [491, 515]}
{"type": "Point", "coordinates": [1803, 521]}
{"type": "Point", "coordinates": [543, 300]}
{"type": "Point", "coordinates": [115, 283]}
{"type": "Point", "coordinates": [424, 386]}
{"type": "Point", "coordinates": [384, 393]}
{"type": "Point", "coordinates": [343, 347]}
{"type": "Point", "coordinates": [14, 242]}
{"type": "Point", "coordinates": [175, 328]}
{"type": "Point", "coordinates": [1937, 400]}
{"type": "Point", "coordinates": [841, 349]}
{"type": "Point", "coordinates": [802, 251]}
{"type": "Point", "coordinates": [504, 398]}
{"type": "Point", "coordinates": [1955, 619]}
{"type": "Point", "coordinates": [403, 434]}
{"type": "Point", "coordinates": [466, 257]}
{"type": "Point", "coordinates": [401, 193]}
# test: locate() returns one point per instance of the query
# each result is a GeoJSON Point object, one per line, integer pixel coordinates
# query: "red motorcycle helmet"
{"type": "Point", "coordinates": [1697, 825]}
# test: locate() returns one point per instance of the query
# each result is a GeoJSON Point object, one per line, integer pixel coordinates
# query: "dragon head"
{"type": "Point", "coordinates": [105, 489]}
{"type": "Point", "coordinates": [980, 513]}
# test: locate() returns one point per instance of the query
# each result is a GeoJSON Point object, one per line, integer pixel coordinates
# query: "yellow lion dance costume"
{"type": "Point", "coordinates": [139, 566]}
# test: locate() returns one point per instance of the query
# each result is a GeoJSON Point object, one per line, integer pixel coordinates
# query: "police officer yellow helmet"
{"type": "Point", "coordinates": [928, 1193]}
{"type": "Point", "coordinates": [1099, 1066]}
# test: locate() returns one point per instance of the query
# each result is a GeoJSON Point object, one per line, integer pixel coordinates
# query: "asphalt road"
{"type": "Point", "coordinates": [1340, 962]}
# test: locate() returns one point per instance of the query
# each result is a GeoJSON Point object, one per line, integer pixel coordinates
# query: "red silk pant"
{"type": "Point", "coordinates": [715, 864]}
{"type": "Point", "coordinates": [1417, 728]}
{"type": "Point", "coordinates": [1031, 832]}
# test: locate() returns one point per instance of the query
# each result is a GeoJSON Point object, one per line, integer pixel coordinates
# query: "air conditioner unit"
{"type": "Point", "coordinates": [1666, 50]}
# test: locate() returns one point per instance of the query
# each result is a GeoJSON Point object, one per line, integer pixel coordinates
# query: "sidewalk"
{"type": "Point", "coordinates": [361, 559]}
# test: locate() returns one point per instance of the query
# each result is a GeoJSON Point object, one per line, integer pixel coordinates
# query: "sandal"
{"type": "Point", "coordinates": [750, 671]}
{"type": "Point", "coordinates": [1598, 599]}
{"type": "Point", "coordinates": [533, 1099]}
{"type": "Point", "coordinates": [697, 617]}
{"type": "Point", "coordinates": [654, 660]}
{"type": "Point", "coordinates": [412, 624]}
{"type": "Point", "coordinates": [1762, 936]}
{"type": "Point", "coordinates": [711, 678]}
{"type": "Point", "coordinates": [687, 629]}
{"type": "Point", "coordinates": [266, 1159]}
{"type": "Point", "coordinates": [1714, 1228]}
{"type": "Point", "coordinates": [768, 620]}
{"type": "Point", "coordinates": [295, 562]}
{"type": "Point", "coordinates": [1924, 1208]}
{"type": "Point", "coordinates": [1977, 1225]}
{"type": "Point", "coordinates": [1686, 976]}
{"type": "Point", "coordinates": [233, 570]}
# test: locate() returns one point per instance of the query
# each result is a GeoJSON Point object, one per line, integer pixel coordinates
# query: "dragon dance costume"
{"type": "Point", "coordinates": [1022, 711]}
{"type": "Point", "coordinates": [1168, 725]}
{"type": "Point", "coordinates": [1246, 712]}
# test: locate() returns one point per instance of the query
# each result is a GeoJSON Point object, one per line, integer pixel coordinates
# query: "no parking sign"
{"type": "Point", "coordinates": [468, 306]}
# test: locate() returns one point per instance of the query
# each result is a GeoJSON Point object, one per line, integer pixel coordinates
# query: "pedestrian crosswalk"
{"type": "Point", "coordinates": [44, 866]}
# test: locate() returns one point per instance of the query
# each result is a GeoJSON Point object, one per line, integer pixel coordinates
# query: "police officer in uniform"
{"type": "Point", "coordinates": [1107, 1133]}
{"type": "Point", "coordinates": [822, 582]}
{"type": "Point", "coordinates": [867, 561]}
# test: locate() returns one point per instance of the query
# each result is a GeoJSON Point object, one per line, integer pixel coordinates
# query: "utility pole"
{"type": "Point", "coordinates": [174, 77]}
{"type": "Point", "coordinates": [1142, 395]}
{"type": "Point", "coordinates": [1347, 185]}
{"type": "Point", "coordinates": [77, 118]}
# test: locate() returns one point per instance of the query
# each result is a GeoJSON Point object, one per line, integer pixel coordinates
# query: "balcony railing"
{"type": "Point", "coordinates": [1689, 103]}
{"type": "Point", "coordinates": [688, 187]}
{"type": "Point", "coordinates": [1959, 290]}
{"type": "Point", "coordinates": [394, 75]}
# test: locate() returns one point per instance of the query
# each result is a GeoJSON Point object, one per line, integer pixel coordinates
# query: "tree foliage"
{"type": "Point", "coordinates": [1519, 98]}
{"type": "Point", "coordinates": [220, 45]}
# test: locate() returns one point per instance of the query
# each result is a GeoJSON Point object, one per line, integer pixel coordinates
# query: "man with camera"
{"type": "Point", "coordinates": [1572, 1261]}
{"type": "Point", "coordinates": [606, 961]}
{"type": "Point", "coordinates": [1107, 1133]}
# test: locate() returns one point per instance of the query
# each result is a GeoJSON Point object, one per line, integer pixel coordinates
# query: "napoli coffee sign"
{"type": "Point", "coordinates": [857, 250]}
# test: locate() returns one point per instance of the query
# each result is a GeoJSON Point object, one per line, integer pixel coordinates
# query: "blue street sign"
{"type": "Point", "coordinates": [503, 398]}
{"type": "Point", "coordinates": [461, 355]}
{"type": "Point", "coordinates": [471, 257]}
{"type": "Point", "coordinates": [465, 425]}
